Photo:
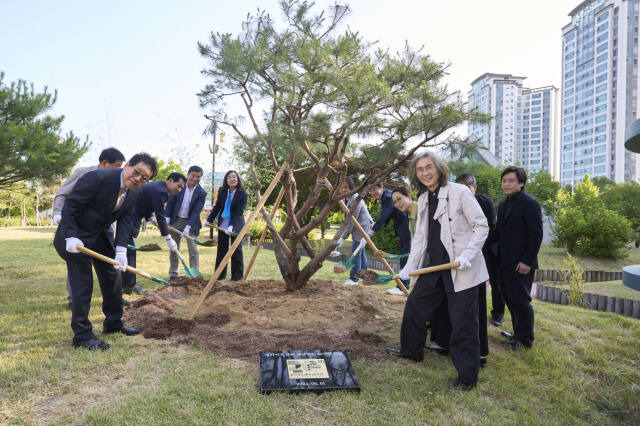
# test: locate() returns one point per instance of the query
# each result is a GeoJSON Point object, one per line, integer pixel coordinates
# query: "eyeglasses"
{"type": "Point", "coordinates": [138, 174]}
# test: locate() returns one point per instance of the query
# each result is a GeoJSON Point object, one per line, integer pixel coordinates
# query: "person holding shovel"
{"type": "Point", "coordinates": [183, 213]}
{"type": "Point", "coordinates": [110, 158]}
{"type": "Point", "coordinates": [451, 225]}
{"type": "Point", "coordinates": [98, 199]}
{"type": "Point", "coordinates": [229, 212]}
{"type": "Point", "coordinates": [400, 225]}
{"type": "Point", "coordinates": [364, 219]}
{"type": "Point", "coordinates": [150, 206]}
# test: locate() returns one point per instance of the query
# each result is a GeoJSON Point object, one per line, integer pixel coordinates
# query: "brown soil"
{"type": "Point", "coordinates": [149, 247]}
{"type": "Point", "coordinates": [367, 275]}
{"type": "Point", "coordinates": [241, 318]}
{"type": "Point", "coordinates": [209, 243]}
{"type": "Point", "coordinates": [338, 269]}
{"type": "Point", "coordinates": [197, 281]}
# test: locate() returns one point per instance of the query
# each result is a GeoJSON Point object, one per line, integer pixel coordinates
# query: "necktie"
{"type": "Point", "coordinates": [120, 198]}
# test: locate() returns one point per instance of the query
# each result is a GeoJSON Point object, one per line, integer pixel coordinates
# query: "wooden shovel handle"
{"type": "Point", "coordinates": [443, 267]}
{"type": "Point", "coordinates": [171, 228]}
{"type": "Point", "coordinates": [112, 261]}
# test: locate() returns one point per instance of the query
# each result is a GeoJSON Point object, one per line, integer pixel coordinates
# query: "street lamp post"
{"type": "Point", "coordinates": [212, 150]}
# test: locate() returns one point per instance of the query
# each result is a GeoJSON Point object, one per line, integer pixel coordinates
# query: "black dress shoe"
{"type": "Point", "coordinates": [91, 344]}
{"type": "Point", "coordinates": [399, 354]}
{"type": "Point", "coordinates": [496, 322]}
{"type": "Point", "coordinates": [508, 342]}
{"type": "Point", "coordinates": [125, 302]}
{"type": "Point", "coordinates": [127, 331]}
{"type": "Point", "coordinates": [505, 333]}
{"type": "Point", "coordinates": [439, 351]}
{"type": "Point", "coordinates": [483, 361]}
{"type": "Point", "coordinates": [463, 386]}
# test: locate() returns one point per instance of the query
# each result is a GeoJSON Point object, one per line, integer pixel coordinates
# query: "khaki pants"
{"type": "Point", "coordinates": [194, 259]}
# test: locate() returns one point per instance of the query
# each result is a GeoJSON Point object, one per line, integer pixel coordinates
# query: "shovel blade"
{"type": "Point", "coordinates": [191, 272]}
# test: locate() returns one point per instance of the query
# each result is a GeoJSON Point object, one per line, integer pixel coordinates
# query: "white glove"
{"type": "Point", "coordinates": [72, 242]}
{"type": "Point", "coordinates": [340, 241]}
{"type": "Point", "coordinates": [186, 230]}
{"type": "Point", "coordinates": [370, 232]}
{"type": "Point", "coordinates": [170, 243]}
{"type": "Point", "coordinates": [153, 220]}
{"type": "Point", "coordinates": [464, 263]}
{"type": "Point", "coordinates": [404, 273]}
{"type": "Point", "coordinates": [56, 219]}
{"type": "Point", "coordinates": [121, 256]}
{"type": "Point", "coordinates": [230, 230]}
{"type": "Point", "coordinates": [334, 253]}
{"type": "Point", "coordinates": [168, 219]}
{"type": "Point", "coordinates": [206, 223]}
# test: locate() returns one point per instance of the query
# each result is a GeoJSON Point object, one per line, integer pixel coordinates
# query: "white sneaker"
{"type": "Point", "coordinates": [350, 282]}
{"type": "Point", "coordinates": [395, 291]}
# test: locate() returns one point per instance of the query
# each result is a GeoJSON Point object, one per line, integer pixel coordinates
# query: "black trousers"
{"type": "Point", "coordinates": [441, 324]}
{"type": "Point", "coordinates": [497, 297]}
{"type": "Point", "coordinates": [405, 247]}
{"type": "Point", "coordinates": [517, 293]}
{"type": "Point", "coordinates": [80, 279]}
{"type": "Point", "coordinates": [129, 279]}
{"type": "Point", "coordinates": [237, 263]}
{"type": "Point", "coordinates": [462, 306]}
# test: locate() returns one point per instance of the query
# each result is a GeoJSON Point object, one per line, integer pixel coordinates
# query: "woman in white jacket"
{"type": "Point", "coordinates": [450, 227]}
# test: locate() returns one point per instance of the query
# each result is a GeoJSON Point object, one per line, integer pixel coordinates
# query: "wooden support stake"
{"type": "Point", "coordinates": [264, 234]}
{"type": "Point", "coordinates": [374, 248]}
{"type": "Point", "coordinates": [238, 240]}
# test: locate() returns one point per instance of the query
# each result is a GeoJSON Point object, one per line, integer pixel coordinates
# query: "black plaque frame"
{"type": "Point", "coordinates": [274, 373]}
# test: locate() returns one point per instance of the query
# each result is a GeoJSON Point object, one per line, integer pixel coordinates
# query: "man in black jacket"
{"type": "Point", "coordinates": [150, 206]}
{"type": "Point", "coordinates": [519, 235]}
{"type": "Point", "coordinates": [400, 225]}
{"type": "Point", "coordinates": [99, 198]}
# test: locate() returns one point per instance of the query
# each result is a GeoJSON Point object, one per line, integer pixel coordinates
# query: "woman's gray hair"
{"type": "Point", "coordinates": [441, 167]}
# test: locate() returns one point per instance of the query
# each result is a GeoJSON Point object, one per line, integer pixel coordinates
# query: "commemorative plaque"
{"type": "Point", "coordinates": [298, 371]}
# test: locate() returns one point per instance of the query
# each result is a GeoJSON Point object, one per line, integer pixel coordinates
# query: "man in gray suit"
{"type": "Point", "coordinates": [110, 158]}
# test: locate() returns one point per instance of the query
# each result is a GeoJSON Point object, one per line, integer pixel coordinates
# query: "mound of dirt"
{"type": "Point", "coordinates": [240, 318]}
{"type": "Point", "coordinates": [150, 247]}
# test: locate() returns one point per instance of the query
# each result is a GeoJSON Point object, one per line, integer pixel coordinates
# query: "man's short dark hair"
{"type": "Point", "coordinates": [175, 176]}
{"type": "Point", "coordinates": [521, 174]}
{"type": "Point", "coordinates": [466, 179]}
{"type": "Point", "coordinates": [377, 185]}
{"type": "Point", "coordinates": [196, 169]}
{"type": "Point", "coordinates": [111, 155]}
{"type": "Point", "coordinates": [143, 157]}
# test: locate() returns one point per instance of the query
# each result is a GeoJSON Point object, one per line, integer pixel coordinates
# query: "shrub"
{"type": "Point", "coordinates": [584, 225]}
{"type": "Point", "coordinates": [573, 276]}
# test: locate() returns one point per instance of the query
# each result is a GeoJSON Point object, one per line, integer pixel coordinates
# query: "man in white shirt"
{"type": "Point", "coordinates": [183, 213]}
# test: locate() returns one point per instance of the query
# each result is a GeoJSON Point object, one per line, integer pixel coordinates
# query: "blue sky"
{"type": "Point", "coordinates": [127, 72]}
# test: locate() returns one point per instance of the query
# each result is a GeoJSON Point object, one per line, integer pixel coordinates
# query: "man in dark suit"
{"type": "Point", "coordinates": [400, 225]}
{"type": "Point", "coordinates": [150, 206]}
{"type": "Point", "coordinates": [519, 235]}
{"type": "Point", "coordinates": [99, 198]}
{"type": "Point", "coordinates": [183, 213]}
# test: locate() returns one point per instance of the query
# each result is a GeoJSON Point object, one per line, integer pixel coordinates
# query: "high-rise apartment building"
{"type": "Point", "coordinates": [599, 90]}
{"type": "Point", "coordinates": [523, 129]}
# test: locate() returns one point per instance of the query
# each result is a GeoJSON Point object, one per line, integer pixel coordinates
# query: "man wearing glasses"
{"type": "Point", "coordinates": [98, 199]}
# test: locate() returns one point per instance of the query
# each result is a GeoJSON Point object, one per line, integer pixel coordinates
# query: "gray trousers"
{"type": "Point", "coordinates": [194, 259]}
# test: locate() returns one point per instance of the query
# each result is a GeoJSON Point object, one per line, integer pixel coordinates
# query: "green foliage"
{"type": "Point", "coordinates": [603, 182]}
{"type": "Point", "coordinates": [573, 275]}
{"type": "Point", "coordinates": [584, 224]}
{"type": "Point", "coordinates": [165, 168]}
{"type": "Point", "coordinates": [31, 147]}
{"type": "Point", "coordinates": [487, 178]}
{"type": "Point", "coordinates": [543, 188]}
{"type": "Point", "coordinates": [385, 239]}
{"type": "Point", "coordinates": [624, 198]}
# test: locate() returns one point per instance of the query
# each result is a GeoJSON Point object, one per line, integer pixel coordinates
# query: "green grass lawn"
{"type": "Point", "coordinates": [584, 367]}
